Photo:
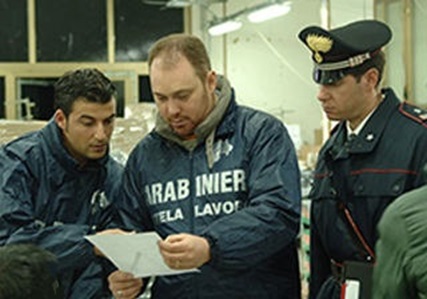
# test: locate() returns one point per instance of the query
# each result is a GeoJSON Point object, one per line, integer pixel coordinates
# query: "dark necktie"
{"type": "Point", "coordinates": [350, 139]}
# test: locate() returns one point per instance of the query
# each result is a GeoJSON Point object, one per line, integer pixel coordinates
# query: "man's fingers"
{"type": "Point", "coordinates": [130, 291]}
{"type": "Point", "coordinates": [124, 285]}
{"type": "Point", "coordinates": [120, 277]}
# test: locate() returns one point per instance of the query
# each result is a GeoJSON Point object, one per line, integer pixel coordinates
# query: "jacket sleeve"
{"type": "Point", "coordinates": [130, 203]}
{"type": "Point", "coordinates": [270, 221]}
{"type": "Point", "coordinates": [320, 264]}
{"type": "Point", "coordinates": [391, 279]}
{"type": "Point", "coordinates": [18, 223]}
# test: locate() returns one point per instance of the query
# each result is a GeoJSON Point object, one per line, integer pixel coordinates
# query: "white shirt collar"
{"type": "Point", "coordinates": [359, 128]}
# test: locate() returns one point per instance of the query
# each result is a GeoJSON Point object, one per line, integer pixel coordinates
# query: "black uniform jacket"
{"type": "Point", "coordinates": [363, 176]}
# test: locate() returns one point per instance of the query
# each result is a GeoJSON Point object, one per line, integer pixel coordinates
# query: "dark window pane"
{"type": "Point", "coordinates": [2, 101]}
{"type": "Point", "coordinates": [13, 30]}
{"type": "Point", "coordinates": [120, 98]}
{"type": "Point", "coordinates": [71, 30]}
{"type": "Point", "coordinates": [145, 94]}
{"type": "Point", "coordinates": [40, 92]}
{"type": "Point", "coordinates": [138, 25]}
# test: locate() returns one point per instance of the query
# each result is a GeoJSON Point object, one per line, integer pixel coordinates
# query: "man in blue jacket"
{"type": "Point", "coordinates": [57, 183]}
{"type": "Point", "coordinates": [218, 181]}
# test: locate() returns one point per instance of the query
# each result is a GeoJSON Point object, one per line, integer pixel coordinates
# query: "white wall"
{"type": "Point", "coordinates": [394, 51]}
{"type": "Point", "coordinates": [394, 14]}
{"type": "Point", "coordinates": [420, 51]}
{"type": "Point", "coordinates": [344, 11]}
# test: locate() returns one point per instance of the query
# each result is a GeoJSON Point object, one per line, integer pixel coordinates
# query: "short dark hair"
{"type": "Point", "coordinates": [89, 84]}
{"type": "Point", "coordinates": [191, 47]}
{"type": "Point", "coordinates": [377, 62]}
{"type": "Point", "coordinates": [28, 271]}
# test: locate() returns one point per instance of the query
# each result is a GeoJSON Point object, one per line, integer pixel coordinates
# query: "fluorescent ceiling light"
{"type": "Point", "coordinates": [178, 3]}
{"type": "Point", "coordinates": [224, 27]}
{"type": "Point", "coordinates": [267, 12]}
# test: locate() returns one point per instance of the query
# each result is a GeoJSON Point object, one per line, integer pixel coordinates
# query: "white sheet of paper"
{"type": "Point", "coordinates": [135, 253]}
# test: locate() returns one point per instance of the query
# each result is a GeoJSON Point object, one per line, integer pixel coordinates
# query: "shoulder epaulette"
{"type": "Point", "coordinates": [415, 113]}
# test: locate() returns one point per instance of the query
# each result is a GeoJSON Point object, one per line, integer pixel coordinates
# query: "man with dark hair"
{"type": "Point", "coordinates": [374, 154]}
{"type": "Point", "coordinates": [27, 271]}
{"type": "Point", "coordinates": [218, 181]}
{"type": "Point", "coordinates": [57, 183]}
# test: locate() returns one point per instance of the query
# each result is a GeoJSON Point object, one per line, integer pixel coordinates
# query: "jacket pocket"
{"type": "Point", "coordinates": [379, 183]}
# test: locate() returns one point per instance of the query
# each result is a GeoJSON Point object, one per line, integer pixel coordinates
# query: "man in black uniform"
{"type": "Point", "coordinates": [375, 153]}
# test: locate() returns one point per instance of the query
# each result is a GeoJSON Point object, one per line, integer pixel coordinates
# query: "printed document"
{"type": "Point", "coordinates": [135, 253]}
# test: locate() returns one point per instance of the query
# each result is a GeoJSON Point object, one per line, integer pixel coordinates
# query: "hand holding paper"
{"type": "Point", "coordinates": [184, 251]}
{"type": "Point", "coordinates": [124, 285]}
{"type": "Point", "coordinates": [135, 253]}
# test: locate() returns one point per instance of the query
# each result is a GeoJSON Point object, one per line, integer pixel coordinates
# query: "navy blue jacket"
{"type": "Point", "coordinates": [48, 200]}
{"type": "Point", "coordinates": [384, 161]}
{"type": "Point", "coordinates": [247, 205]}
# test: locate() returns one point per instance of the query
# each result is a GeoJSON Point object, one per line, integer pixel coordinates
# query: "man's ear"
{"type": "Point", "coordinates": [60, 119]}
{"type": "Point", "coordinates": [372, 76]}
{"type": "Point", "coordinates": [211, 81]}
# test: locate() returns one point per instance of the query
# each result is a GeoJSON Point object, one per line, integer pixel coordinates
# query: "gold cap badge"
{"type": "Point", "coordinates": [317, 44]}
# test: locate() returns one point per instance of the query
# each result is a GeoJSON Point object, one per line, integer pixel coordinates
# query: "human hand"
{"type": "Point", "coordinates": [111, 231]}
{"type": "Point", "coordinates": [184, 251]}
{"type": "Point", "coordinates": [124, 285]}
